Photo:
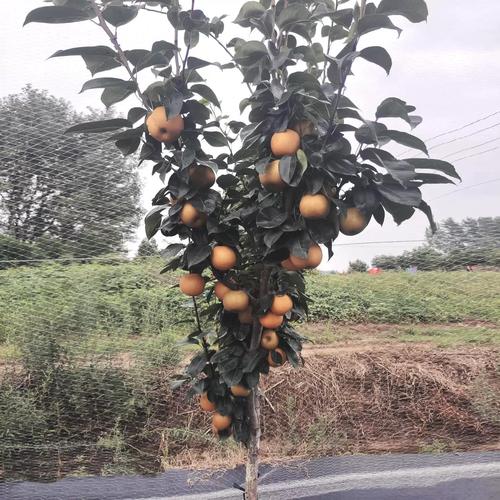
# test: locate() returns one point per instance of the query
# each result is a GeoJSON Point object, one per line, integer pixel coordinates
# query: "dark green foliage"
{"type": "Point", "coordinates": [357, 266]}
{"type": "Point", "coordinates": [456, 245]}
{"type": "Point", "coordinates": [70, 196]}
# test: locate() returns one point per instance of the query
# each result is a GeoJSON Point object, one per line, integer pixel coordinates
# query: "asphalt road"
{"type": "Point", "coordinates": [457, 476]}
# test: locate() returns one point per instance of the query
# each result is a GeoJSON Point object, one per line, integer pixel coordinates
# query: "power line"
{"type": "Point", "coordinates": [476, 154]}
{"type": "Point", "coordinates": [376, 242]}
{"type": "Point", "coordinates": [472, 147]}
{"type": "Point", "coordinates": [467, 187]}
{"type": "Point", "coordinates": [463, 126]}
{"type": "Point", "coordinates": [455, 130]}
{"type": "Point", "coordinates": [465, 136]}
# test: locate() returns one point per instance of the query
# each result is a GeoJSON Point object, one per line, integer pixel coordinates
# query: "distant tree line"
{"type": "Point", "coordinates": [60, 195]}
{"type": "Point", "coordinates": [456, 245]}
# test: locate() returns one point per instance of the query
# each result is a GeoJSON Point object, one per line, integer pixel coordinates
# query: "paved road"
{"type": "Point", "coordinates": [461, 476]}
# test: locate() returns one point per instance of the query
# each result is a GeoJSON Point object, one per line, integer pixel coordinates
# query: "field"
{"type": "Point", "coordinates": [396, 362]}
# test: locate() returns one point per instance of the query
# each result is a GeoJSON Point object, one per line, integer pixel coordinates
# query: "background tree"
{"type": "Point", "coordinates": [481, 233]}
{"type": "Point", "coordinates": [454, 246]}
{"type": "Point", "coordinates": [357, 266]}
{"type": "Point", "coordinates": [304, 171]}
{"type": "Point", "coordinates": [74, 191]}
{"type": "Point", "coordinates": [148, 248]}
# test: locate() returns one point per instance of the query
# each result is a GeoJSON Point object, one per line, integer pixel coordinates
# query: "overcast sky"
{"type": "Point", "coordinates": [449, 68]}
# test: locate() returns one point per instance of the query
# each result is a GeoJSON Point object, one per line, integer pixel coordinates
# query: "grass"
{"type": "Point", "coordinates": [440, 335]}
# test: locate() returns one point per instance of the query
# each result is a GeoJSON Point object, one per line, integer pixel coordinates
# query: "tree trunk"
{"type": "Point", "coordinates": [252, 468]}
{"type": "Point", "coordinates": [253, 444]}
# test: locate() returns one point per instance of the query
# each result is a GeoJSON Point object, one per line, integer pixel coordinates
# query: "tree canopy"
{"type": "Point", "coordinates": [72, 190]}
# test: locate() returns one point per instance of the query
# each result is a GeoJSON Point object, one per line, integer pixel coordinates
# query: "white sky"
{"type": "Point", "coordinates": [449, 68]}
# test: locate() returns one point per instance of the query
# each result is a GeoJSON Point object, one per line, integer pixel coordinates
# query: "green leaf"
{"type": "Point", "coordinates": [414, 10]}
{"type": "Point", "coordinates": [432, 164]}
{"type": "Point", "coordinates": [406, 139]}
{"type": "Point", "coordinates": [104, 83]}
{"type": "Point", "coordinates": [99, 126]}
{"type": "Point", "coordinates": [128, 146]}
{"type": "Point", "coordinates": [377, 55]}
{"type": "Point", "coordinates": [206, 92]}
{"type": "Point", "coordinates": [392, 107]}
{"type": "Point", "coordinates": [119, 15]}
{"type": "Point", "coordinates": [172, 250]}
{"type": "Point", "coordinates": [395, 192]}
{"type": "Point", "coordinates": [112, 95]}
{"type": "Point", "coordinates": [57, 15]}
{"type": "Point", "coordinates": [249, 10]}
{"type": "Point", "coordinates": [250, 53]}
{"type": "Point", "coordinates": [135, 114]}
{"type": "Point", "coordinates": [97, 59]}
{"type": "Point", "coordinates": [152, 221]}
{"type": "Point", "coordinates": [424, 207]}
{"type": "Point", "coordinates": [400, 170]}
{"type": "Point", "coordinates": [301, 156]}
{"type": "Point", "coordinates": [195, 254]}
{"type": "Point", "coordinates": [293, 14]}
{"type": "Point", "coordinates": [215, 139]}
{"type": "Point", "coordinates": [375, 22]}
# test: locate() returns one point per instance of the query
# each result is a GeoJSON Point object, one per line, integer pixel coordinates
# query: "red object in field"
{"type": "Point", "coordinates": [374, 270]}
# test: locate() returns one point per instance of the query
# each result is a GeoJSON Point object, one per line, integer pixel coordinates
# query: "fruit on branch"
{"type": "Point", "coordinates": [245, 317]}
{"type": "Point", "coordinates": [205, 403]}
{"type": "Point", "coordinates": [271, 178]}
{"type": "Point", "coordinates": [287, 264]}
{"type": "Point", "coordinates": [271, 321]}
{"type": "Point", "coordinates": [192, 217]}
{"type": "Point", "coordinates": [221, 422]}
{"type": "Point", "coordinates": [314, 258]}
{"type": "Point", "coordinates": [236, 301]}
{"type": "Point", "coordinates": [240, 391]}
{"type": "Point", "coordinates": [223, 258]}
{"type": "Point", "coordinates": [314, 206]}
{"type": "Point", "coordinates": [269, 340]}
{"type": "Point", "coordinates": [353, 221]}
{"type": "Point", "coordinates": [285, 143]}
{"type": "Point", "coordinates": [192, 284]}
{"type": "Point", "coordinates": [201, 176]}
{"type": "Point", "coordinates": [162, 128]}
{"type": "Point", "coordinates": [281, 305]}
{"type": "Point", "coordinates": [304, 127]}
{"type": "Point", "coordinates": [279, 354]}
{"type": "Point", "coordinates": [220, 290]}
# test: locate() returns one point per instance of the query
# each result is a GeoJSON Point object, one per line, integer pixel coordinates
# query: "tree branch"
{"type": "Point", "coordinates": [232, 58]}
{"type": "Point", "coordinates": [121, 55]}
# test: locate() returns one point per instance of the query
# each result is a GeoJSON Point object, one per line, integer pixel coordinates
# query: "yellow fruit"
{"type": "Point", "coordinates": [285, 143]}
{"type": "Point", "coordinates": [201, 176]}
{"type": "Point", "coordinates": [240, 391]}
{"type": "Point", "coordinates": [192, 284]}
{"type": "Point", "coordinates": [314, 258]}
{"type": "Point", "coordinates": [221, 422]}
{"type": "Point", "coordinates": [287, 264]}
{"type": "Point", "coordinates": [314, 206]}
{"type": "Point", "coordinates": [281, 353]}
{"type": "Point", "coordinates": [220, 290]}
{"type": "Point", "coordinates": [353, 221]}
{"type": "Point", "coordinates": [192, 217]}
{"type": "Point", "coordinates": [271, 320]}
{"type": "Point", "coordinates": [205, 403]}
{"type": "Point", "coordinates": [281, 305]}
{"type": "Point", "coordinates": [271, 178]}
{"type": "Point", "coordinates": [245, 317]}
{"type": "Point", "coordinates": [269, 340]}
{"type": "Point", "coordinates": [223, 258]}
{"type": "Point", "coordinates": [236, 301]}
{"type": "Point", "coordinates": [162, 128]}
{"type": "Point", "coordinates": [304, 127]}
